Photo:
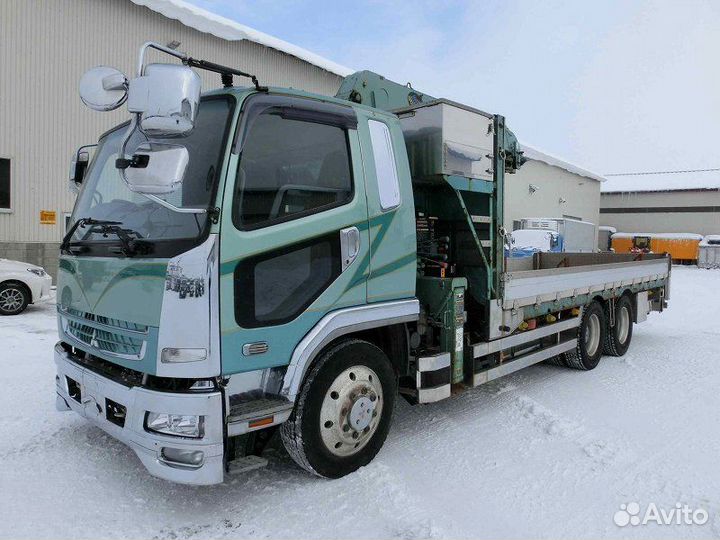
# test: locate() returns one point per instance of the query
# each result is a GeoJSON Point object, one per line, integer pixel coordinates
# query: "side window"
{"type": "Point", "coordinates": [277, 286]}
{"type": "Point", "coordinates": [385, 169]}
{"type": "Point", "coordinates": [4, 184]}
{"type": "Point", "coordinates": [289, 168]}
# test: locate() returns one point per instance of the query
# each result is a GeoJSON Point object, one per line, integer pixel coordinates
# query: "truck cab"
{"type": "Point", "coordinates": [262, 260]}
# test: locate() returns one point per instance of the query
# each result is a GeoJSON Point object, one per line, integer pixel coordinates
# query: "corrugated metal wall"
{"type": "Point", "coordinates": [45, 46]}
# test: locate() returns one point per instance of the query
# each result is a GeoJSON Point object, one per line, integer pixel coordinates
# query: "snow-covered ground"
{"type": "Point", "coordinates": [547, 452]}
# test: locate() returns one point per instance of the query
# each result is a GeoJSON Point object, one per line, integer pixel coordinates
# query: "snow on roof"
{"type": "Point", "coordinates": [662, 182]}
{"type": "Point", "coordinates": [537, 155]}
{"type": "Point", "coordinates": [666, 236]}
{"type": "Point", "coordinates": [222, 27]}
{"type": "Point", "coordinates": [607, 228]}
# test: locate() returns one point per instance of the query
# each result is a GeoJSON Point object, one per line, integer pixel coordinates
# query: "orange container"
{"type": "Point", "coordinates": [621, 244]}
{"type": "Point", "coordinates": [682, 247]}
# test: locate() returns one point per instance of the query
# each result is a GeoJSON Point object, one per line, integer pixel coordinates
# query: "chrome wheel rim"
{"type": "Point", "coordinates": [351, 411]}
{"type": "Point", "coordinates": [11, 299]}
{"type": "Point", "coordinates": [623, 324]}
{"type": "Point", "coordinates": [592, 334]}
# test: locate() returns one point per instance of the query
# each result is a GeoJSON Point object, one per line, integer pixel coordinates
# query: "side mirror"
{"type": "Point", "coordinates": [103, 88]}
{"type": "Point", "coordinates": [156, 168]}
{"type": "Point", "coordinates": [78, 167]}
{"type": "Point", "coordinates": [166, 97]}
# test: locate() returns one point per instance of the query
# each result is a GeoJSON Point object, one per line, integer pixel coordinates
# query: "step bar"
{"type": "Point", "coordinates": [489, 347]}
{"type": "Point", "coordinates": [522, 362]}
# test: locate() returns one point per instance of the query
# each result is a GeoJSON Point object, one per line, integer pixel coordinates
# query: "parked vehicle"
{"type": "Point", "coordinates": [605, 237]}
{"type": "Point", "coordinates": [21, 284]}
{"type": "Point", "coordinates": [682, 247]}
{"type": "Point", "coordinates": [527, 242]}
{"type": "Point", "coordinates": [347, 247]}
{"type": "Point", "coordinates": [575, 236]}
{"type": "Point", "coordinates": [709, 252]}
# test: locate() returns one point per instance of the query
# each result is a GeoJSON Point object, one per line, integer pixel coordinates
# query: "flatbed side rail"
{"type": "Point", "coordinates": [533, 287]}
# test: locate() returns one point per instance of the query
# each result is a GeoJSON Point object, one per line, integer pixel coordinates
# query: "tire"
{"type": "Point", "coordinates": [14, 298]}
{"type": "Point", "coordinates": [590, 339]}
{"type": "Point", "coordinates": [352, 382]}
{"type": "Point", "coordinates": [618, 338]}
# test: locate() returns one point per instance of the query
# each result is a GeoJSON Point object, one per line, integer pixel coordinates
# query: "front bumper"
{"type": "Point", "coordinates": [96, 390]}
{"type": "Point", "coordinates": [40, 288]}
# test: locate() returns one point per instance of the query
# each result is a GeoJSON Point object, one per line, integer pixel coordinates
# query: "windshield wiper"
{"type": "Point", "coordinates": [130, 245]}
{"type": "Point", "coordinates": [81, 223]}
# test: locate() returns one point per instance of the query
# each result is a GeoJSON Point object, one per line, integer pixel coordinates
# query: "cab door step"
{"type": "Point", "coordinates": [248, 416]}
{"type": "Point", "coordinates": [432, 379]}
{"type": "Point", "coordinates": [246, 464]}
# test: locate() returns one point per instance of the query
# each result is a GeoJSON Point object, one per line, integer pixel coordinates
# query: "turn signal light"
{"type": "Point", "coordinates": [261, 422]}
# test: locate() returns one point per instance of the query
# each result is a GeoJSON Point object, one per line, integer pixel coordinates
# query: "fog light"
{"type": "Point", "coordinates": [177, 425]}
{"type": "Point", "coordinates": [190, 458]}
{"type": "Point", "coordinates": [172, 355]}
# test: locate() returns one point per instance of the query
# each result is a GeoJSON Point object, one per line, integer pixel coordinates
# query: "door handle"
{"type": "Point", "coordinates": [349, 245]}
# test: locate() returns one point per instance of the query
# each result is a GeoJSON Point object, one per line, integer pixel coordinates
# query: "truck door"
{"type": "Point", "coordinates": [294, 235]}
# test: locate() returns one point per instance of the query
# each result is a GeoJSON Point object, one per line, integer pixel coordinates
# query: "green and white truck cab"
{"type": "Point", "coordinates": [262, 258]}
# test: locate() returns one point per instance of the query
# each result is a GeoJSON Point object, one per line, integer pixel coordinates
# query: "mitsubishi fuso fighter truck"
{"type": "Point", "coordinates": [256, 260]}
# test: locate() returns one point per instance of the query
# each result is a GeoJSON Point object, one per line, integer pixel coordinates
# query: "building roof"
{"type": "Point", "coordinates": [662, 182]}
{"type": "Point", "coordinates": [224, 28]}
{"type": "Point", "coordinates": [537, 155]}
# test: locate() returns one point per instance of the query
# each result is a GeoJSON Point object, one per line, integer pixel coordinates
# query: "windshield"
{"type": "Point", "coordinates": [106, 197]}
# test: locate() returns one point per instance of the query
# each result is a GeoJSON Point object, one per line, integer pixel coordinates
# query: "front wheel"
{"type": "Point", "coordinates": [343, 413]}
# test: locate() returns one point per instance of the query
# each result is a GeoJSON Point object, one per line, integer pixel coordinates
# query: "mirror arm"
{"type": "Point", "coordinates": [178, 209]}
{"type": "Point", "coordinates": [225, 71]}
{"type": "Point", "coordinates": [152, 45]}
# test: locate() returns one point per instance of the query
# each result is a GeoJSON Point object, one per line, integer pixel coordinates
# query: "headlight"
{"type": "Point", "coordinates": [178, 425]}
{"type": "Point", "coordinates": [37, 271]}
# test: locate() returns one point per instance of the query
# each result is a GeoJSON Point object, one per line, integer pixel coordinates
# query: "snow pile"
{"type": "Point", "coordinates": [222, 27]}
{"type": "Point", "coordinates": [546, 452]}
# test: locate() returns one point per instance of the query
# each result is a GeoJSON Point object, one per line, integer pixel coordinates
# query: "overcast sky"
{"type": "Point", "coordinates": [611, 85]}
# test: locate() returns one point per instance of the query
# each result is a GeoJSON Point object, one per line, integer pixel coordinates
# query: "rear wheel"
{"type": "Point", "coordinates": [590, 339]}
{"type": "Point", "coordinates": [14, 298]}
{"type": "Point", "coordinates": [618, 337]}
{"type": "Point", "coordinates": [343, 413]}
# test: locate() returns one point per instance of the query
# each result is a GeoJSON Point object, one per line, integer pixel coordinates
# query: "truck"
{"type": "Point", "coordinates": [574, 235]}
{"type": "Point", "coordinates": [254, 263]}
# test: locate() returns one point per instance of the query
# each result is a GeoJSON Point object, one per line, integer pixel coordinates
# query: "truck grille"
{"type": "Point", "coordinates": [107, 321]}
{"type": "Point", "coordinates": [113, 336]}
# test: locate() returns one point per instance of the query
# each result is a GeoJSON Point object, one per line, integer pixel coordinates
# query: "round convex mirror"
{"type": "Point", "coordinates": [103, 88]}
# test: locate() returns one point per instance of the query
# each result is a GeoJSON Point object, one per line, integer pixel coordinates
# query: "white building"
{"type": "Point", "coordinates": [546, 186]}
{"type": "Point", "coordinates": [45, 47]}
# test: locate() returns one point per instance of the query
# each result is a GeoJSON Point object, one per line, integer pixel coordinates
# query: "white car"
{"type": "Point", "coordinates": [21, 284]}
